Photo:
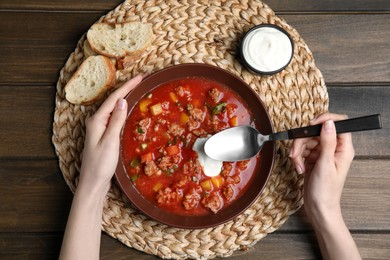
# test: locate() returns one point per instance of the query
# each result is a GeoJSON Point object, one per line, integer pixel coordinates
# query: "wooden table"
{"type": "Point", "coordinates": [350, 41]}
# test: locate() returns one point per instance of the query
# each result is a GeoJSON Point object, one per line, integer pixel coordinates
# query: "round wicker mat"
{"type": "Point", "coordinates": [201, 31]}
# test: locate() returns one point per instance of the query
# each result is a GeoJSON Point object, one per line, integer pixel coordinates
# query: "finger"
{"type": "Point", "coordinates": [299, 164]}
{"type": "Point", "coordinates": [344, 141]}
{"type": "Point", "coordinates": [109, 104]}
{"type": "Point", "coordinates": [306, 153]}
{"type": "Point", "coordinates": [117, 119]}
{"type": "Point", "coordinates": [303, 147]}
{"type": "Point", "coordinates": [328, 141]}
{"type": "Point", "coordinates": [345, 151]}
{"type": "Point", "coordinates": [312, 143]}
{"type": "Point", "coordinates": [297, 147]}
{"type": "Point", "coordinates": [326, 117]}
{"type": "Point", "coordinates": [312, 157]}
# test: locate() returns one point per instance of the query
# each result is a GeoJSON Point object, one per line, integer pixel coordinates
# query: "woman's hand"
{"type": "Point", "coordinates": [325, 162]}
{"type": "Point", "coordinates": [101, 149]}
{"type": "Point", "coordinates": [100, 158]}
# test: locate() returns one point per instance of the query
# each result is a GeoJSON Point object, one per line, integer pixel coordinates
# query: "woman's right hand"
{"type": "Point", "coordinates": [325, 162]}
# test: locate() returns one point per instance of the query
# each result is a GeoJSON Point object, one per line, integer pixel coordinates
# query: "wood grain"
{"type": "Point", "coordinates": [278, 6]}
{"type": "Point", "coordinates": [26, 116]}
{"type": "Point", "coordinates": [274, 246]}
{"type": "Point", "coordinates": [365, 201]}
{"type": "Point", "coordinates": [357, 101]}
{"type": "Point", "coordinates": [345, 47]}
{"type": "Point", "coordinates": [67, 5]}
{"type": "Point", "coordinates": [38, 53]}
{"type": "Point", "coordinates": [33, 107]}
{"type": "Point", "coordinates": [35, 198]}
{"type": "Point", "coordinates": [350, 43]}
{"type": "Point", "coordinates": [35, 46]}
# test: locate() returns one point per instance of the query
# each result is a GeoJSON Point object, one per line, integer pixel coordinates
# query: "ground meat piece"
{"type": "Point", "coordinates": [167, 196]}
{"type": "Point", "coordinates": [226, 169]}
{"type": "Point", "coordinates": [192, 167]}
{"type": "Point", "coordinates": [217, 125]}
{"type": "Point", "coordinates": [182, 91]}
{"type": "Point", "coordinates": [183, 181]}
{"type": "Point", "coordinates": [176, 158]}
{"type": "Point", "coordinates": [165, 163]}
{"type": "Point", "coordinates": [242, 165]}
{"type": "Point", "coordinates": [235, 179]}
{"type": "Point", "coordinates": [191, 200]}
{"type": "Point", "coordinates": [196, 113]}
{"type": "Point", "coordinates": [142, 128]}
{"type": "Point", "coordinates": [215, 95]}
{"type": "Point", "coordinates": [151, 169]}
{"type": "Point", "coordinates": [228, 192]}
{"type": "Point", "coordinates": [176, 130]}
{"type": "Point", "coordinates": [213, 202]}
{"type": "Point", "coordinates": [192, 124]}
{"type": "Point", "coordinates": [200, 132]}
{"type": "Point", "coordinates": [231, 109]}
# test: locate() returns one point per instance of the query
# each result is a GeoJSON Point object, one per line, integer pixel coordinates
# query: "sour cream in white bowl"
{"type": "Point", "coordinates": [266, 49]}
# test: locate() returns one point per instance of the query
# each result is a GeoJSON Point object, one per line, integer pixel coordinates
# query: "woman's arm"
{"type": "Point", "coordinates": [325, 161]}
{"type": "Point", "coordinates": [100, 157]}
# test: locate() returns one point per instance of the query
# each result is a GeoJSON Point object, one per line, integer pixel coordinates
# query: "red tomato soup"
{"type": "Point", "coordinates": [158, 143]}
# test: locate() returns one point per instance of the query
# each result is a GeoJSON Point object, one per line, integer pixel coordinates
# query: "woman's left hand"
{"type": "Point", "coordinates": [101, 148]}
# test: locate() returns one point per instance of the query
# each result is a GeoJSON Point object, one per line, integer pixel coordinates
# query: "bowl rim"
{"type": "Point", "coordinates": [242, 203]}
{"type": "Point", "coordinates": [250, 67]}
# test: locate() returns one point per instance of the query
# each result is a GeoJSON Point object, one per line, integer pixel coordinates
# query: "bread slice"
{"type": "Point", "coordinates": [89, 52]}
{"type": "Point", "coordinates": [120, 39]}
{"type": "Point", "coordinates": [91, 81]}
{"type": "Point", "coordinates": [87, 49]}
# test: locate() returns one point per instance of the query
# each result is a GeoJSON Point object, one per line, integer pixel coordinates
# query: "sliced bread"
{"type": "Point", "coordinates": [89, 52]}
{"type": "Point", "coordinates": [87, 49]}
{"type": "Point", "coordinates": [120, 39]}
{"type": "Point", "coordinates": [91, 81]}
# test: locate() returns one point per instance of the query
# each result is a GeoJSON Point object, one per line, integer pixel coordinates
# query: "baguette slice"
{"type": "Point", "coordinates": [95, 76]}
{"type": "Point", "coordinates": [88, 50]}
{"type": "Point", "coordinates": [120, 39]}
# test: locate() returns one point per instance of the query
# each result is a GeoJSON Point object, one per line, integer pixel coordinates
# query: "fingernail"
{"type": "Point", "coordinates": [299, 169]}
{"type": "Point", "coordinates": [121, 104]}
{"type": "Point", "coordinates": [329, 126]}
{"type": "Point", "coordinates": [290, 153]}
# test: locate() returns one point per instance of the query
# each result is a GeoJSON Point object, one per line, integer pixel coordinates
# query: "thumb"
{"type": "Point", "coordinates": [328, 140]}
{"type": "Point", "coordinates": [117, 119]}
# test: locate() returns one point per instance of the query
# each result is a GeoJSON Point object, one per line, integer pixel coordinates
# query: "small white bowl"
{"type": "Point", "coordinates": [266, 49]}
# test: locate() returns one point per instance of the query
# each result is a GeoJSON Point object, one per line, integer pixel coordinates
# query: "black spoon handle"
{"type": "Point", "coordinates": [343, 126]}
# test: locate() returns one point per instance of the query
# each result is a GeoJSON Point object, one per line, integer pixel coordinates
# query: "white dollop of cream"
{"type": "Point", "coordinates": [267, 49]}
{"type": "Point", "coordinates": [210, 166]}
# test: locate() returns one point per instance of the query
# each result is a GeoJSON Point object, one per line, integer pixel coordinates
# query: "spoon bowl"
{"type": "Point", "coordinates": [243, 142]}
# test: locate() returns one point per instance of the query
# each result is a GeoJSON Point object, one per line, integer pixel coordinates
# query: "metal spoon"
{"type": "Point", "coordinates": [243, 142]}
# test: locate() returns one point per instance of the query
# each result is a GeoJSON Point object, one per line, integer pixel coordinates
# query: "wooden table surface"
{"type": "Point", "coordinates": [350, 41]}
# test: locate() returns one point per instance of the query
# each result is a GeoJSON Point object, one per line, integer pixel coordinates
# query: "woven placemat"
{"type": "Point", "coordinates": [209, 32]}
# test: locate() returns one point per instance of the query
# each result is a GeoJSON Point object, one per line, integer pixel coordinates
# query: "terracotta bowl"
{"type": "Point", "coordinates": [261, 173]}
